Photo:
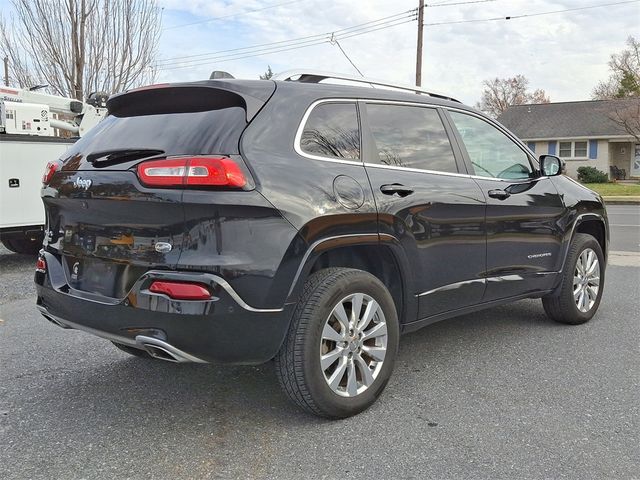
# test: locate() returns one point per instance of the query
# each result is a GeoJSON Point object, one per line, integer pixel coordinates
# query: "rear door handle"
{"type": "Point", "coordinates": [394, 188]}
{"type": "Point", "coordinates": [499, 194]}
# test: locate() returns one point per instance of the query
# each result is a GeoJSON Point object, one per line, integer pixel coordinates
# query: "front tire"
{"type": "Point", "coordinates": [342, 343]}
{"type": "Point", "coordinates": [582, 284]}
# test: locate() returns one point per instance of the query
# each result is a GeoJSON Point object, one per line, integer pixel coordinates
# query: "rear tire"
{"type": "Point", "coordinates": [23, 246]}
{"type": "Point", "coordinates": [341, 346]}
{"type": "Point", "coordinates": [582, 284]}
{"type": "Point", "coordinates": [136, 352]}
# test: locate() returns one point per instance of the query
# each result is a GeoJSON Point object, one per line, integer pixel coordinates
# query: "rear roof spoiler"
{"type": "Point", "coordinates": [192, 97]}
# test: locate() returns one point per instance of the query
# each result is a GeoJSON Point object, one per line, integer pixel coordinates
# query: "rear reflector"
{"type": "Point", "coordinates": [41, 265]}
{"type": "Point", "coordinates": [181, 291]}
{"type": "Point", "coordinates": [49, 170]}
{"type": "Point", "coordinates": [192, 171]}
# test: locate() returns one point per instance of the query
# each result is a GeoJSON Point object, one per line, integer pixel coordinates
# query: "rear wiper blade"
{"type": "Point", "coordinates": [120, 155]}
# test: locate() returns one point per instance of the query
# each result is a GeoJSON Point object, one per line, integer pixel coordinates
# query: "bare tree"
{"type": "Point", "coordinates": [624, 80]}
{"type": "Point", "coordinates": [500, 93]}
{"type": "Point", "coordinates": [627, 116]}
{"type": "Point", "coordinates": [82, 46]}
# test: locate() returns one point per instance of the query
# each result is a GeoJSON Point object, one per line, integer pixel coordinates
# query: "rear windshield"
{"type": "Point", "coordinates": [191, 133]}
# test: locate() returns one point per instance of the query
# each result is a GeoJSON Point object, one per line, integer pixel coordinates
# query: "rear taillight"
{"type": "Point", "coordinates": [181, 290]}
{"type": "Point", "coordinates": [41, 265]}
{"type": "Point", "coordinates": [192, 171]}
{"type": "Point", "coordinates": [50, 170]}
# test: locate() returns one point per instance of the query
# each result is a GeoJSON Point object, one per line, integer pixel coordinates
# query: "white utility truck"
{"type": "Point", "coordinates": [30, 127]}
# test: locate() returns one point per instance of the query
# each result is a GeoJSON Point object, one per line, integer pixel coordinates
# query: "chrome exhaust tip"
{"type": "Point", "coordinates": [162, 350]}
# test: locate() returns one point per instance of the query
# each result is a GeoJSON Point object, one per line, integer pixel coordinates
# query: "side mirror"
{"type": "Point", "coordinates": [550, 165]}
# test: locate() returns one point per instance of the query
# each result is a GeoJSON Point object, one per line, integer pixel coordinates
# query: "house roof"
{"type": "Point", "coordinates": [566, 119]}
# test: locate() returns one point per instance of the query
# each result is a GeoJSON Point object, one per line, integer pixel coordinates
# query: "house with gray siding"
{"type": "Point", "coordinates": [581, 133]}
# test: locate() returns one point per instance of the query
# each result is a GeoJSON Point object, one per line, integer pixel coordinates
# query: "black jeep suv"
{"type": "Point", "coordinates": [311, 223]}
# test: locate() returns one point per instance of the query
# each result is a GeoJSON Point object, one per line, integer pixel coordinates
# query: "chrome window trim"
{"type": "Point", "coordinates": [298, 149]}
{"type": "Point", "coordinates": [417, 170]}
{"type": "Point", "coordinates": [296, 142]}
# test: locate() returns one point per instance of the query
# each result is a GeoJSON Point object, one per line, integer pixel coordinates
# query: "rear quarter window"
{"type": "Point", "coordinates": [332, 131]}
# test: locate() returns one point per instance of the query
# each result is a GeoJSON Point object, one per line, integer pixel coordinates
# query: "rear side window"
{"type": "Point", "coordinates": [332, 131]}
{"type": "Point", "coordinates": [411, 137]}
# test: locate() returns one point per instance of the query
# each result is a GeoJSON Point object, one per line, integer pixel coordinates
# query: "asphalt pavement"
{"type": "Point", "coordinates": [624, 222]}
{"type": "Point", "coordinates": [500, 394]}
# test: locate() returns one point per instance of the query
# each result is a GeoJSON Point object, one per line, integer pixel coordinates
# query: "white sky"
{"type": "Point", "coordinates": [566, 53]}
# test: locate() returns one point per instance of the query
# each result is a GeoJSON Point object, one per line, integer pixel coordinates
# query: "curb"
{"type": "Point", "coordinates": [622, 200]}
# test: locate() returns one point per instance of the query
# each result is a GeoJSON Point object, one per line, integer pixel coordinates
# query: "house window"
{"type": "Point", "coordinates": [565, 149]}
{"type": "Point", "coordinates": [578, 149]}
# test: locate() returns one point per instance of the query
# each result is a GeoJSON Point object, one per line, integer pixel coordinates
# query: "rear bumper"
{"type": "Point", "coordinates": [224, 329]}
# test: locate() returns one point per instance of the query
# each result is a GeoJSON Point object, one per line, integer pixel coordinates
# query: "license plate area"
{"type": "Point", "coordinates": [94, 275]}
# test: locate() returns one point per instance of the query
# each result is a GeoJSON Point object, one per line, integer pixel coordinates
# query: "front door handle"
{"type": "Point", "coordinates": [394, 188]}
{"type": "Point", "coordinates": [499, 194]}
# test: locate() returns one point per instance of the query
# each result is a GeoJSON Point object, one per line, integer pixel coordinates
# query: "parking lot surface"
{"type": "Point", "coordinates": [500, 394]}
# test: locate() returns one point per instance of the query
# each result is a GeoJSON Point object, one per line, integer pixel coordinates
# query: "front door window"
{"type": "Point", "coordinates": [491, 152]}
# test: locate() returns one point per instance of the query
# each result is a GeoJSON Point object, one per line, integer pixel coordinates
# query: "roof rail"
{"type": "Point", "coordinates": [316, 76]}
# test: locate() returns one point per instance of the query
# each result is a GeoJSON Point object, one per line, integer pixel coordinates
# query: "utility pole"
{"type": "Point", "coordinates": [419, 49]}
{"type": "Point", "coordinates": [6, 71]}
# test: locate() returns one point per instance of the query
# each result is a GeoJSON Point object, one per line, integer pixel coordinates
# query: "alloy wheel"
{"type": "Point", "coordinates": [353, 345]}
{"type": "Point", "coordinates": [586, 280]}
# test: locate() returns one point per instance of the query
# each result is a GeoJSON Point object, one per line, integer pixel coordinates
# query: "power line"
{"type": "Point", "coordinates": [373, 25]}
{"type": "Point", "coordinates": [246, 12]}
{"type": "Point", "coordinates": [446, 4]}
{"type": "Point", "coordinates": [335, 40]}
{"type": "Point", "coordinates": [267, 7]}
{"type": "Point", "coordinates": [167, 63]}
{"type": "Point", "coordinates": [397, 16]}
{"type": "Point", "coordinates": [349, 32]}
{"type": "Point", "coordinates": [276, 49]}
{"type": "Point", "coordinates": [513, 17]}
{"type": "Point", "coordinates": [344, 37]}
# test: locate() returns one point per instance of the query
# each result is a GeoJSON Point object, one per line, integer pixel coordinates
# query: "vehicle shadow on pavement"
{"type": "Point", "coordinates": [187, 395]}
{"type": "Point", "coordinates": [15, 261]}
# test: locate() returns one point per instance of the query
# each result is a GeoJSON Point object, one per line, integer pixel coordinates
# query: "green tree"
{"type": "Point", "coordinates": [268, 74]}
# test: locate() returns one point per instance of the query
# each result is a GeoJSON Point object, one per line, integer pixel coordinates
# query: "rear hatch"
{"type": "Point", "coordinates": [114, 202]}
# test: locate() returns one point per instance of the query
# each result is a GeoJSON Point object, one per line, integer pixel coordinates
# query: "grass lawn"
{"type": "Point", "coordinates": [614, 189]}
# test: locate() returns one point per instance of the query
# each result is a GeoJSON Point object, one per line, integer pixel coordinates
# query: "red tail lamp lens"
{"type": "Point", "coordinates": [41, 265]}
{"type": "Point", "coordinates": [192, 171]}
{"type": "Point", "coordinates": [181, 290]}
{"type": "Point", "coordinates": [49, 171]}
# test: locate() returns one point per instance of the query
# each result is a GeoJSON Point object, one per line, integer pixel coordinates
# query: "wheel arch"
{"type": "Point", "coordinates": [595, 225]}
{"type": "Point", "coordinates": [596, 229]}
{"type": "Point", "coordinates": [382, 256]}
{"type": "Point", "coordinates": [591, 223]}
